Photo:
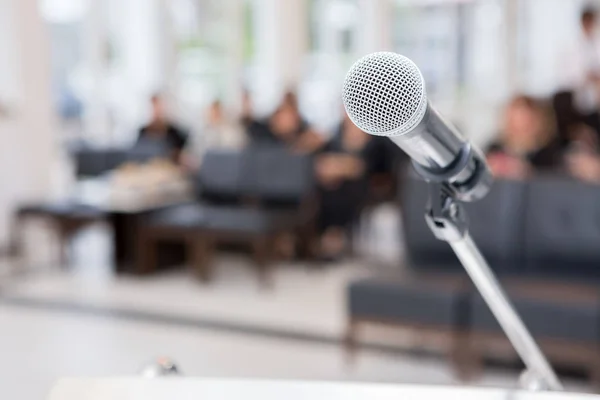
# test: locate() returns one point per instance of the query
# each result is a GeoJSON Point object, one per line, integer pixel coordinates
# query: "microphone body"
{"type": "Point", "coordinates": [384, 95]}
{"type": "Point", "coordinates": [440, 153]}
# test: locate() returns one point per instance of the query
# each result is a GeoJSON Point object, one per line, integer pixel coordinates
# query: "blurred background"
{"type": "Point", "coordinates": [178, 178]}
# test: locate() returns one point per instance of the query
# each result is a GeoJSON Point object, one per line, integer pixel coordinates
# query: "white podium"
{"type": "Point", "coordinates": [175, 388]}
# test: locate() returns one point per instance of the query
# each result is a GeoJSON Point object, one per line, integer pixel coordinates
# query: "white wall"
{"type": "Point", "coordinates": [141, 66]}
{"type": "Point", "coordinates": [375, 33]}
{"type": "Point", "coordinates": [29, 150]}
{"type": "Point", "coordinates": [549, 26]}
{"type": "Point", "coordinates": [281, 48]}
{"type": "Point", "coordinates": [234, 15]}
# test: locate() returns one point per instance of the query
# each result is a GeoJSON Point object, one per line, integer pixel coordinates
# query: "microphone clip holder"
{"type": "Point", "coordinates": [445, 216]}
{"type": "Point", "coordinates": [448, 221]}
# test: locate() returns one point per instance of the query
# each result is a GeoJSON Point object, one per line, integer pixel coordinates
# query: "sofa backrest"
{"type": "Point", "coordinates": [220, 177]}
{"type": "Point", "coordinates": [546, 227]}
{"type": "Point", "coordinates": [563, 228]}
{"type": "Point", "coordinates": [276, 176]}
{"type": "Point", "coordinates": [422, 247]}
{"type": "Point", "coordinates": [148, 149]}
{"type": "Point", "coordinates": [271, 176]}
{"type": "Point", "coordinates": [496, 224]}
{"type": "Point", "coordinates": [90, 162]}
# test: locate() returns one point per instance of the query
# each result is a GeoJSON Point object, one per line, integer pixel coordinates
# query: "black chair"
{"type": "Point", "coordinates": [284, 184]}
{"type": "Point", "coordinates": [276, 176]}
{"type": "Point", "coordinates": [549, 310]}
{"type": "Point", "coordinates": [414, 301]}
{"type": "Point", "coordinates": [555, 289]}
{"type": "Point", "coordinates": [434, 295]}
{"type": "Point", "coordinates": [66, 217]}
{"type": "Point", "coordinates": [251, 196]}
{"type": "Point", "coordinates": [423, 249]}
{"type": "Point", "coordinates": [114, 158]}
{"type": "Point", "coordinates": [91, 163]}
{"type": "Point", "coordinates": [426, 305]}
{"type": "Point", "coordinates": [564, 317]}
{"type": "Point", "coordinates": [278, 188]}
{"type": "Point", "coordinates": [562, 231]}
{"type": "Point", "coordinates": [94, 162]}
{"type": "Point", "coordinates": [147, 149]}
{"type": "Point", "coordinates": [541, 237]}
{"type": "Point", "coordinates": [496, 225]}
{"type": "Point", "coordinates": [221, 180]}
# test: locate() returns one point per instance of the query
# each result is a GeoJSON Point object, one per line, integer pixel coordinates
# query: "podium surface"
{"type": "Point", "coordinates": [176, 388]}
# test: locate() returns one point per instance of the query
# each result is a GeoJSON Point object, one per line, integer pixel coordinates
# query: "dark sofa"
{"type": "Point", "coordinates": [541, 238]}
{"type": "Point", "coordinates": [252, 197]}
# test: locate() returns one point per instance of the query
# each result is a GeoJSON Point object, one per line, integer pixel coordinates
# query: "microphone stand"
{"type": "Point", "coordinates": [447, 220]}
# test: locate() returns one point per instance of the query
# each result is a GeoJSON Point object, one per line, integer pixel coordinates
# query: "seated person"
{"type": "Point", "coordinates": [342, 171]}
{"type": "Point", "coordinates": [582, 160]}
{"type": "Point", "coordinates": [581, 141]}
{"type": "Point", "coordinates": [256, 130]}
{"type": "Point", "coordinates": [219, 132]}
{"type": "Point", "coordinates": [527, 144]}
{"type": "Point", "coordinates": [286, 127]}
{"type": "Point", "coordinates": [162, 131]}
{"type": "Point", "coordinates": [584, 165]}
{"type": "Point", "coordinates": [247, 115]}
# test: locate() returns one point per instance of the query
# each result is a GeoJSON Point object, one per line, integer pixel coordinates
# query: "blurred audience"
{"type": "Point", "coordinates": [581, 69]}
{"type": "Point", "coordinates": [247, 112]}
{"type": "Point", "coordinates": [578, 139]}
{"type": "Point", "coordinates": [584, 165]}
{"type": "Point", "coordinates": [287, 127]}
{"type": "Point", "coordinates": [257, 130]}
{"type": "Point", "coordinates": [343, 169]}
{"type": "Point", "coordinates": [528, 142]}
{"type": "Point", "coordinates": [219, 132]}
{"type": "Point", "coordinates": [162, 132]}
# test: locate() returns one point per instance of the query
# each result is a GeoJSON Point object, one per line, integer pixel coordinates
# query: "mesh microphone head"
{"type": "Point", "coordinates": [384, 94]}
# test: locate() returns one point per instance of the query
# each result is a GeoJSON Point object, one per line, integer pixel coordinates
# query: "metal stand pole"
{"type": "Point", "coordinates": [447, 220]}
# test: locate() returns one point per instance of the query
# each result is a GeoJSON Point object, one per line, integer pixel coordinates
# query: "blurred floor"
{"type": "Point", "coordinates": [304, 296]}
{"type": "Point", "coordinates": [40, 346]}
{"type": "Point", "coordinates": [89, 322]}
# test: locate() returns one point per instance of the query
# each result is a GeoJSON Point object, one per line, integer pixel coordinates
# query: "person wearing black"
{"type": "Point", "coordinates": [580, 69]}
{"type": "Point", "coordinates": [528, 143]}
{"type": "Point", "coordinates": [343, 167]}
{"type": "Point", "coordinates": [256, 130]}
{"type": "Point", "coordinates": [161, 132]}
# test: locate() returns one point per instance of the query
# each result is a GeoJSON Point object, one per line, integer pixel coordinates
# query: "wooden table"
{"type": "Point", "coordinates": [123, 213]}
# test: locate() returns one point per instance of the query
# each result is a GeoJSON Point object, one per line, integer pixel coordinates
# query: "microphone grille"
{"type": "Point", "coordinates": [384, 94]}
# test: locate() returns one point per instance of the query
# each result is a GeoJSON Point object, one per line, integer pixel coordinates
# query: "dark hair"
{"type": "Point", "coordinates": [290, 99]}
{"type": "Point", "coordinates": [588, 14]}
{"type": "Point", "coordinates": [567, 116]}
{"type": "Point", "coordinates": [156, 97]}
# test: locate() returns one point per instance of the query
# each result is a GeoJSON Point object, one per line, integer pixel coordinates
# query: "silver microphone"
{"type": "Point", "coordinates": [384, 94]}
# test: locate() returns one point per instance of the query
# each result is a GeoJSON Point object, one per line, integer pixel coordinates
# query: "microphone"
{"type": "Point", "coordinates": [384, 94]}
